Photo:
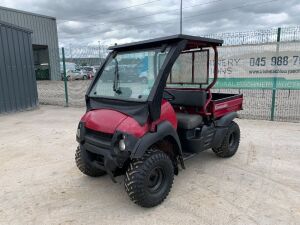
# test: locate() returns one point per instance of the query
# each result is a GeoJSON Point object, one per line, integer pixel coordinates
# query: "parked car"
{"type": "Point", "coordinates": [91, 75]}
{"type": "Point", "coordinates": [90, 69]}
{"type": "Point", "coordinates": [69, 66]}
{"type": "Point", "coordinates": [128, 74]}
{"type": "Point", "coordinates": [76, 75]}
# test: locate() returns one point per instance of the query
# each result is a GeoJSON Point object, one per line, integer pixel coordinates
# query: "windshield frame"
{"type": "Point", "coordinates": [112, 55]}
{"type": "Point", "coordinates": [140, 111]}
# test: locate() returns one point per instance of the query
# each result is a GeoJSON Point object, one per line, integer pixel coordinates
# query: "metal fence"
{"type": "Point", "coordinates": [263, 65]}
{"type": "Point", "coordinates": [259, 36]}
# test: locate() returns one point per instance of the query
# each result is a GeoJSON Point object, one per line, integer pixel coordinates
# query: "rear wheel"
{"type": "Point", "coordinates": [230, 143]}
{"type": "Point", "coordinates": [85, 165]}
{"type": "Point", "coordinates": [148, 181]}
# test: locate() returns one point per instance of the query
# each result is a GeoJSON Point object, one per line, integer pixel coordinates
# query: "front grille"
{"type": "Point", "coordinates": [100, 159]}
{"type": "Point", "coordinates": [97, 138]}
{"type": "Point", "coordinates": [98, 134]}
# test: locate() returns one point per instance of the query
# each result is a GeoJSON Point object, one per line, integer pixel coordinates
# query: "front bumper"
{"type": "Point", "coordinates": [104, 149]}
{"type": "Point", "coordinates": [104, 159]}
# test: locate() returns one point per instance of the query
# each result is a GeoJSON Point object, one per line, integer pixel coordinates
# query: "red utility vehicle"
{"type": "Point", "coordinates": [145, 130]}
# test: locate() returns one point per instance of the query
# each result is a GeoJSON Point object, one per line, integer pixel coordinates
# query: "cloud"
{"type": "Point", "coordinates": [87, 22]}
{"type": "Point", "coordinates": [275, 18]}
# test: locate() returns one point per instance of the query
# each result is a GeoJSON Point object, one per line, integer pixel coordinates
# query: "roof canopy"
{"type": "Point", "coordinates": [193, 42]}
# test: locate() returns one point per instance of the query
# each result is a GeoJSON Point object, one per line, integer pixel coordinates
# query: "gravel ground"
{"type": "Point", "coordinates": [40, 183]}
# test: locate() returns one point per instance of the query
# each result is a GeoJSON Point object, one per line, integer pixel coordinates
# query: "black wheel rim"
{"type": "Point", "coordinates": [232, 140]}
{"type": "Point", "coordinates": [155, 179]}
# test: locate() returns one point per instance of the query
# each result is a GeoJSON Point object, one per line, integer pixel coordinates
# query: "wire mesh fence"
{"type": "Point", "coordinates": [267, 74]}
{"type": "Point", "coordinates": [258, 36]}
{"type": "Point", "coordinates": [253, 63]}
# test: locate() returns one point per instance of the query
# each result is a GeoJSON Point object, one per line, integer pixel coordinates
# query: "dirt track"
{"type": "Point", "coordinates": [40, 183]}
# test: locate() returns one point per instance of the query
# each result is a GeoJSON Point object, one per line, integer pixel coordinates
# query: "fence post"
{"type": "Point", "coordinates": [275, 78]}
{"type": "Point", "coordinates": [65, 77]}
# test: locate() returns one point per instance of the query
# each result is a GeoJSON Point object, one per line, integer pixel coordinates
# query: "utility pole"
{"type": "Point", "coordinates": [180, 16]}
{"type": "Point", "coordinates": [70, 46]}
{"type": "Point", "coordinates": [99, 52]}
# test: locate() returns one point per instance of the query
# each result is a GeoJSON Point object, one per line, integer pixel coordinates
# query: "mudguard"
{"type": "Point", "coordinates": [226, 120]}
{"type": "Point", "coordinates": [164, 129]}
{"type": "Point", "coordinates": [222, 127]}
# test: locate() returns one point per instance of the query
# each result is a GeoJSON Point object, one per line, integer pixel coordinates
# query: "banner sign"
{"type": "Point", "coordinates": [265, 66]}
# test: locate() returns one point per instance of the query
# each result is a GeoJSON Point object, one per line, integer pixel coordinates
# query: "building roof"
{"type": "Point", "coordinates": [28, 13]}
{"type": "Point", "coordinates": [2, 23]}
{"type": "Point", "coordinates": [195, 40]}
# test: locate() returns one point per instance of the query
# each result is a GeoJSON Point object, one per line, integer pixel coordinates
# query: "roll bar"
{"type": "Point", "coordinates": [215, 69]}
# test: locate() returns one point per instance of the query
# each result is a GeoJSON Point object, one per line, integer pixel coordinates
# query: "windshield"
{"type": "Point", "coordinates": [129, 75]}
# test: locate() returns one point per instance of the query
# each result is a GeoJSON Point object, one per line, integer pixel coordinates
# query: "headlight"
{"type": "Point", "coordinates": [78, 133]}
{"type": "Point", "coordinates": [122, 145]}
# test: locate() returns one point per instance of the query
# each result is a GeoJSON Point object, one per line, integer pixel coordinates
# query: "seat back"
{"type": "Point", "coordinates": [188, 97]}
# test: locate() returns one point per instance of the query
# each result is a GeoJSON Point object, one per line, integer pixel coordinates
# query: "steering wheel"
{"type": "Point", "coordinates": [171, 98]}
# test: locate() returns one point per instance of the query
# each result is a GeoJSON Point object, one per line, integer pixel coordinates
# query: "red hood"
{"type": "Point", "coordinates": [103, 120]}
{"type": "Point", "coordinates": [108, 121]}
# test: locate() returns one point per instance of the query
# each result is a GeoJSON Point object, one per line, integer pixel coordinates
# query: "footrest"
{"type": "Point", "coordinates": [187, 155]}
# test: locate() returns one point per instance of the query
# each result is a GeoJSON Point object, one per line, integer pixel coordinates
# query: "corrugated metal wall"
{"type": "Point", "coordinates": [18, 89]}
{"type": "Point", "coordinates": [44, 33]}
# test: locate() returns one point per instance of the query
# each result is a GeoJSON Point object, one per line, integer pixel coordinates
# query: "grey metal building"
{"type": "Point", "coordinates": [18, 90]}
{"type": "Point", "coordinates": [44, 40]}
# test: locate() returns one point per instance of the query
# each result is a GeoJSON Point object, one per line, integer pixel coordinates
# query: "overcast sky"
{"type": "Point", "coordinates": [86, 22]}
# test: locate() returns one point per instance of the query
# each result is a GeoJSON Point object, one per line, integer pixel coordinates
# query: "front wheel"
{"type": "Point", "coordinates": [84, 164]}
{"type": "Point", "coordinates": [230, 142]}
{"type": "Point", "coordinates": [148, 181]}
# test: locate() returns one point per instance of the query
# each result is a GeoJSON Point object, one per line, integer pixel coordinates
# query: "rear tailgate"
{"type": "Point", "coordinates": [223, 103]}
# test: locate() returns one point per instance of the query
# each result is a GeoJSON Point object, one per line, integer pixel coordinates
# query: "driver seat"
{"type": "Point", "coordinates": [188, 121]}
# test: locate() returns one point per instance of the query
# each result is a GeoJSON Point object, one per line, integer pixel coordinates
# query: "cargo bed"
{"type": "Point", "coordinates": [223, 103]}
